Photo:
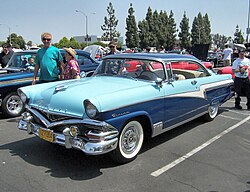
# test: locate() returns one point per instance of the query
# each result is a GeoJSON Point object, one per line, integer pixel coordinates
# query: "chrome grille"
{"type": "Point", "coordinates": [53, 117]}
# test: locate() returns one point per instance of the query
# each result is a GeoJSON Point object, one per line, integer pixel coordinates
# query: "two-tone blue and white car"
{"type": "Point", "coordinates": [121, 104]}
{"type": "Point", "coordinates": [18, 74]}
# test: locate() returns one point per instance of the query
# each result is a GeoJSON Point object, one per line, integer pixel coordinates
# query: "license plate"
{"type": "Point", "coordinates": [46, 135]}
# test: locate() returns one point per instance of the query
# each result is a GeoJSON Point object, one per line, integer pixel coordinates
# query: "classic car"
{"type": "Point", "coordinates": [228, 70]}
{"type": "Point", "coordinates": [207, 64]}
{"type": "Point", "coordinates": [114, 110]}
{"type": "Point", "coordinates": [215, 58]}
{"type": "Point", "coordinates": [96, 51]}
{"type": "Point", "coordinates": [19, 74]}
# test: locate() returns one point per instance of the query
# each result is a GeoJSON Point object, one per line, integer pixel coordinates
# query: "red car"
{"type": "Point", "coordinates": [134, 65]}
{"type": "Point", "coordinates": [228, 70]}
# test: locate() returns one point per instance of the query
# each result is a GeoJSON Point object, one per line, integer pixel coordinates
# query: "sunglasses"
{"type": "Point", "coordinates": [46, 39]}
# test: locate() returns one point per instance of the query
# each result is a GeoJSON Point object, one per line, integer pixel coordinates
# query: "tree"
{"type": "Point", "coordinates": [110, 23]}
{"type": "Point", "coordinates": [29, 43]}
{"type": "Point", "coordinates": [151, 19]}
{"type": "Point", "coordinates": [171, 31]}
{"type": "Point", "coordinates": [207, 30]}
{"type": "Point", "coordinates": [220, 41]}
{"type": "Point", "coordinates": [132, 36]}
{"type": "Point", "coordinates": [162, 33]}
{"type": "Point", "coordinates": [238, 37]}
{"type": "Point", "coordinates": [184, 34]}
{"type": "Point", "coordinates": [73, 43]}
{"type": "Point", "coordinates": [143, 33]}
{"type": "Point", "coordinates": [201, 30]}
{"type": "Point", "coordinates": [64, 42]}
{"type": "Point", "coordinates": [16, 41]}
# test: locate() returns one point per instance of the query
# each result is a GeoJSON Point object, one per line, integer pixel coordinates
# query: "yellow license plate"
{"type": "Point", "coordinates": [46, 135]}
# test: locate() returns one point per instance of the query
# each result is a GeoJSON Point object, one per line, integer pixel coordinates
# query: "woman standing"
{"type": "Point", "coordinates": [71, 70]}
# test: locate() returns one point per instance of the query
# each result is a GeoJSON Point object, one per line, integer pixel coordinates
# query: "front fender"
{"type": "Point", "coordinates": [119, 121]}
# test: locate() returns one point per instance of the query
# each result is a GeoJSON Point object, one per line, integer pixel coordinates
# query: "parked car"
{"type": "Point", "coordinates": [96, 51]}
{"type": "Point", "coordinates": [114, 110]}
{"type": "Point", "coordinates": [18, 74]}
{"type": "Point", "coordinates": [228, 70]}
{"type": "Point", "coordinates": [216, 58]}
{"type": "Point", "coordinates": [207, 64]}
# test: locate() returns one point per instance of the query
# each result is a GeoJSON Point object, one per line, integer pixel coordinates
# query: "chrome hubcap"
{"type": "Point", "coordinates": [14, 104]}
{"type": "Point", "coordinates": [130, 140]}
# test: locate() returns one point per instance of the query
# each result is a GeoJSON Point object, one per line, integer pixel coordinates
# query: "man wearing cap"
{"type": "Point", "coordinates": [241, 82]}
{"type": "Point", "coordinates": [5, 55]}
{"type": "Point", "coordinates": [113, 50]}
{"type": "Point", "coordinates": [49, 60]}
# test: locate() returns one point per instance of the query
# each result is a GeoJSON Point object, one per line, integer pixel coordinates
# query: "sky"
{"type": "Point", "coordinates": [30, 18]}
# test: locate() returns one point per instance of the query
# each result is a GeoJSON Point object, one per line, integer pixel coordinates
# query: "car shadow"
{"type": "Point", "coordinates": [59, 161]}
{"type": "Point", "coordinates": [70, 163]}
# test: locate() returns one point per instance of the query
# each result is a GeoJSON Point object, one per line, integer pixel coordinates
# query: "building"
{"type": "Point", "coordinates": [94, 38]}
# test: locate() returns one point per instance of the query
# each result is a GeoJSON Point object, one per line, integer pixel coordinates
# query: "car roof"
{"type": "Point", "coordinates": [162, 56]}
{"type": "Point", "coordinates": [78, 51]}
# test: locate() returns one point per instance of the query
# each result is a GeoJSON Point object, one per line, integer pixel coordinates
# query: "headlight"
{"type": "Point", "coordinates": [90, 109]}
{"type": "Point", "coordinates": [22, 96]}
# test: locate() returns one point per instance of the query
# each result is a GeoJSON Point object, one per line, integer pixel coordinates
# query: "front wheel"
{"type": "Point", "coordinates": [212, 112]}
{"type": "Point", "coordinates": [12, 105]}
{"type": "Point", "coordinates": [129, 143]}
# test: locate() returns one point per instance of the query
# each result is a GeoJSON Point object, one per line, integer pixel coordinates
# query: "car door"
{"type": "Point", "coordinates": [184, 98]}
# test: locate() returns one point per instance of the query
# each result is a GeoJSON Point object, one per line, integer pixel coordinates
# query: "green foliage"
{"type": "Point", "coordinates": [157, 30]}
{"type": "Point", "coordinates": [220, 41]}
{"type": "Point", "coordinates": [16, 41]}
{"type": "Point", "coordinates": [110, 23]}
{"type": "Point", "coordinates": [201, 30]}
{"type": "Point", "coordinates": [238, 37]}
{"type": "Point", "coordinates": [184, 34]}
{"type": "Point", "coordinates": [132, 36]}
{"type": "Point", "coordinates": [163, 32]}
{"type": "Point", "coordinates": [171, 31]}
{"type": "Point", "coordinates": [29, 43]}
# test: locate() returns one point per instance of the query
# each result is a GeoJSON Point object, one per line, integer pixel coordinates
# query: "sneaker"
{"type": "Point", "coordinates": [238, 107]}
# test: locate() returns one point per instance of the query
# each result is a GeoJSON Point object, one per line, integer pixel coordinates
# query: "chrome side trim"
{"type": "Point", "coordinates": [158, 130]}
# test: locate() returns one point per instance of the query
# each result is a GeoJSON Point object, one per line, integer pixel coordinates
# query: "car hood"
{"type": "Point", "coordinates": [67, 97]}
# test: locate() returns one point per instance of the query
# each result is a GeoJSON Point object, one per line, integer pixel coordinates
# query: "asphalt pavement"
{"type": "Point", "coordinates": [195, 157]}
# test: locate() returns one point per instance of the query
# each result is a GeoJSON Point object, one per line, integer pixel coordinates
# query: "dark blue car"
{"type": "Point", "coordinates": [18, 74]}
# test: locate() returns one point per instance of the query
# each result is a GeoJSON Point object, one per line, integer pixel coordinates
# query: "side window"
{"type": "Point", "coordinates": [82, 60]}
{"type": "Point", "coordinates": [188, 70]}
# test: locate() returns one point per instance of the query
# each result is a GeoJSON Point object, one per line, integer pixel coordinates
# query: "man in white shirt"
{"type": "Point", "coordinates": [240, 68]}
{"type": "Point", "coordinates": [227, 55]}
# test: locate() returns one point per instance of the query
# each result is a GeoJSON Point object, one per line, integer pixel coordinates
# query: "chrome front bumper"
{"type": "Point", "coordinates": [107, 143]}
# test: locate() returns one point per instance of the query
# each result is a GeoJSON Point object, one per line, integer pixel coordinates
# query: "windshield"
{"type": "Point", "coordinates": [135, 68]}
{"type": "Point", "coordinates": [22, 60]}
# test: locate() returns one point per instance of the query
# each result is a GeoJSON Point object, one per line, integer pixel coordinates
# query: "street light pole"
{"type": "Point", "coordinates": [9, 30]}
{"type": "Point", "coordinates": [248, 30]}
{"type": "Point", "coordinates": [78, 11]}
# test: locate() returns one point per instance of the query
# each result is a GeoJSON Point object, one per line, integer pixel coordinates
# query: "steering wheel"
{"type": "Point", "coordinates": [148, 75]}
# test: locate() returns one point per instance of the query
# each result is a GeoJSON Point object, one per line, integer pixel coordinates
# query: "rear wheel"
{"type": "Point", "coordinates": [12, 106]}
{"type": "Point", "coordinates": [129, 143]}
{"type": "Point", "coordinates": [212, 112]}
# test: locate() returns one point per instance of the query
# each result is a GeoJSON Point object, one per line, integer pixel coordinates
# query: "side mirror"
{"type": "Point", "coordinates": [158, 82]}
